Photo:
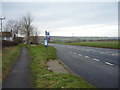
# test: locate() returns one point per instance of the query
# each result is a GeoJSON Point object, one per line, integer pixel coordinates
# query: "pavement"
{"type": "Point", "coordinates": [20, 75]}
{"type": "Point", "coordinates": [98, 66]}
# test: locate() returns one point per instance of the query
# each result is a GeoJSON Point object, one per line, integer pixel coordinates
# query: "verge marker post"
{"type": "Point", "coordinates": [47, 38]}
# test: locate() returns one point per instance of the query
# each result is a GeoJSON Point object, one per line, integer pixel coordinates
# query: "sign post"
{"type": "Point", "coordinates": [47, 38]}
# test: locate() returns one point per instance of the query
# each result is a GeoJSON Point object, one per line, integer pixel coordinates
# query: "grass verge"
{"type": "Point", "coordinates": [9, 58]}
{"type": "Point", "coordinates": [43, 78]}
{"type": "Point", "coordinates": [101, 44]}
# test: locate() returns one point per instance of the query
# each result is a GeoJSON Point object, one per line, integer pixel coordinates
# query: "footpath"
{"type": "Point", "coordinates": [20, 73]}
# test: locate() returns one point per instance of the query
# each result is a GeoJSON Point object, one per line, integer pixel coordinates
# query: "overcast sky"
{"type": "Point", "coordinates": [68, 18]}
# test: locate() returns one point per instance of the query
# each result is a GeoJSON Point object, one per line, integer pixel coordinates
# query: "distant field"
{"type": "Point", "coordinates": [103, 44]}
{"type": "Point", "coordinates": [63, 38]}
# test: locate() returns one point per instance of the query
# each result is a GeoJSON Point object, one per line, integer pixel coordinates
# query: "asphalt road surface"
{"type": "Point", "coordinates": [20, 74]}
{"type": "Point", "coordinates": [98, 66]}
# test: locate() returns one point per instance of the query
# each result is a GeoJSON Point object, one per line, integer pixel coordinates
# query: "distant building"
{"type": "Point", "coordinates": [33, 39]}
{"type": "Point", "coordinates": [7, 36]}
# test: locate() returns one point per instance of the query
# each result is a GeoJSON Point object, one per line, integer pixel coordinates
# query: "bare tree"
{"type": "Point", "coordinates": [17, 27]}
{"type": "Point", "coordinates": [10, 25]}
{"type": "Point", "coordinates": [23, 26]}
{"type": "Point", "coordinates": [14, 27]}
{"type": "Point", "coordinates": [27, 26]}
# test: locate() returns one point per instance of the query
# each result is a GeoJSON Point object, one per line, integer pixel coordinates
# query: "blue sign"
{"type": "Point", "coordinates": [48, 38]}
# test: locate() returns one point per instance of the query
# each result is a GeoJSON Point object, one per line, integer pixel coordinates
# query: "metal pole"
{"type": "Point", "coordinates": [1, 29]}
{"type": "Point", "coordinates": [1, 22]}
{"type": "Point", "coordinates": [46, 51]}
{"type": "Point", "coordinates": [1, 25]}
{"type": "Point", "coordinates": [46, 39]}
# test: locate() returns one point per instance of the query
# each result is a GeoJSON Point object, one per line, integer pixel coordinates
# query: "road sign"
{"type": "Point", "coordinates": [48, 38]}
{"type": "Point", "coordinates": [48, 33]}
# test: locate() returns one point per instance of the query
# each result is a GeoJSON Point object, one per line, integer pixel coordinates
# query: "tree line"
{"type": "Point", "coordinates": [22, 27]}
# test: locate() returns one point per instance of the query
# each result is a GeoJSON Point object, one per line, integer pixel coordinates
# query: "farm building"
{"type": "Point", "coordinates": [7, 36]}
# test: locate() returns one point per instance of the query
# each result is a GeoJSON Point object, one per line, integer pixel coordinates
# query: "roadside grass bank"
{"type": "Point", "coordinates": [43, 78]}
{"type": "Point", "coordinates": [9, 58]}
{"type": "Point", "coordinates": [0, 65]}
{"type": "Point", "coordinates": [101, 44]}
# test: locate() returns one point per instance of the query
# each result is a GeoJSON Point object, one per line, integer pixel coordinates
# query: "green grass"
{"type": "Point", "coordinates": [9, 58]}
{"type": "Point", "coordinates": [102, 44]}
{"type": "Point", "coordinates": [42, 78]}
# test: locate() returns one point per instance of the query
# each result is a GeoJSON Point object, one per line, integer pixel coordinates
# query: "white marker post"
{"type": "Point", "coordinates": [46, 43]}
{"type": "Point", "coordinates": [47, 38]}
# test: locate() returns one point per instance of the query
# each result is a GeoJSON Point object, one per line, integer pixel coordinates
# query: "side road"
{"type": "Point", "coordinates": [20, 74]}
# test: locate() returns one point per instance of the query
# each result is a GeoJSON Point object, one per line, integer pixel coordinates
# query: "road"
{"type": "Point", "coordinates": [98, 66]}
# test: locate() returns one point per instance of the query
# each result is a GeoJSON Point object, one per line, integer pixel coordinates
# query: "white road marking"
{"type": "Point", "coordinates": [96, 59]}
{"type": "Point", "coordinates": [113, 54]}
{"type": "Point", "coordinates": [74, 53]}
{"type": "Point", "coordinates": [109, 52]}
{"type": "Point", "coordinates": [70, 52]}
{"type": "Point", "coordinates": [79, 54]}
{"type": "Point", "coordinates": [108, 63]}
{"type": "Point", "coordinates": [82, 49]}
{"type": "Point", "coordinates": [64, 50]}
{"type": "Point", "coordinates": [101, 52]}
{"type": "Point", "coordinates": [86, 56]}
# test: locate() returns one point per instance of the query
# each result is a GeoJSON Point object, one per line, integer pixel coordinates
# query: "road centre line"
{"type": "Point", "coordinates": [86, 56]}
{"type": "Point", "coordinates": [79, 54]}
{"type": "Point", "coordinates": [93, 58]}
{"type": "Point", "coordinates": [74, 53]}
{"type": "Point", "coordinates": [101, 52]}
{"type": "Point", "coordinates": [108, 63]}
{"type": "Point", "coordinates": [96, 59]}
{"type": "Point", "coordinates": [115, 54]}
{"type": "Point", "coordinates": [70, 52]}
